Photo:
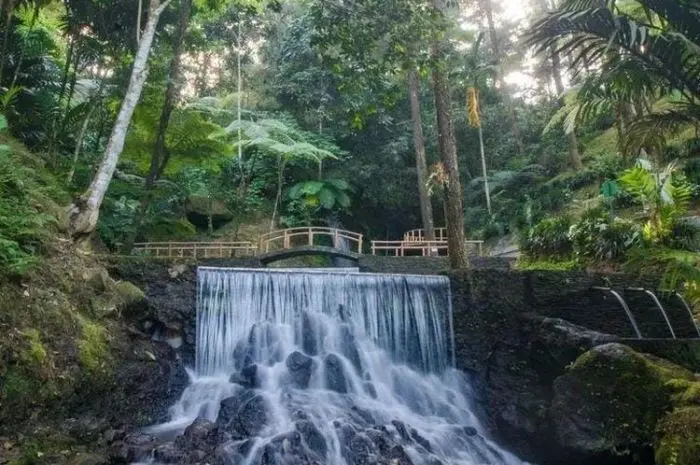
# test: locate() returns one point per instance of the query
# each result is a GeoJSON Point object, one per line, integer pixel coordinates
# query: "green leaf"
{"type": "Point", "coordinates": [312, 187]}
{"type": "Point", "coordinates": [327, 198]}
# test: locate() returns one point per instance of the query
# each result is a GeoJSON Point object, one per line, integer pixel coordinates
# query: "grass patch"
{"type": "Point", "coordinates": [93, 351]}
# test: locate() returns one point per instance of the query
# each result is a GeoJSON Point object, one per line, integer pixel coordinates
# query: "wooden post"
{"type": "Point", "coordinates": [311, 236]}
{"type": "Point", "coordinates": [169, 249]}
{"type": "Point", "coordinates": [286, 241]}
{"type": "Point", "coordinates": [360, 243]}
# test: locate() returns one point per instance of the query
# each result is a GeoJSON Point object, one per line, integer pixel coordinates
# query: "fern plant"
{"type": "Point", "coordinates": [664, 198]}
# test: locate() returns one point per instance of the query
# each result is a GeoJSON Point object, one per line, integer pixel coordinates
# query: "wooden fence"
{"type": "Point", "coordinates": [196, 249]}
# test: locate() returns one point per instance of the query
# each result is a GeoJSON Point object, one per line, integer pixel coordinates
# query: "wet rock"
{"type": "Point", "coordinates": [349, 344]}
{"type": "Point", "coordinates": [247, 377]}
{"type": "Point", "coordinates": [363, 415]}
{"type": "Point", "coordinates": [361, 451]}
{"type": "Point", "coordinates": [370, 390]}
{"type": "Point", "coordinates": [312, 437]}
{"type": "Point", "coordinates": [401, 429]}
{"type": "Point", "coordinates": [312, 332]}
{"type": "Point", "coordinates": [381, 438]}
{"type": "Point", "coordinates": [398, 456]}
{"type": "Point", "coordinates": [288, 449]}
{"type": "Point", "coordinates": [133, 448]}
{"type": "Point", "coordinates": [470, 431]}
{"type": "Point", "coordinates": [300, 367]}
{"type": "Point", "coordinates": [335, 375]}
{"type": "Point", "coordinates": [169, 453]}
{"type": "Point", "coordinates": [421, 440]}
{"type": "Point", "coordinates": [243, 415]}
{"type": "Point", "coordinates": [264, 338]}
{"type": "Point", "coordinates": [202, 435]}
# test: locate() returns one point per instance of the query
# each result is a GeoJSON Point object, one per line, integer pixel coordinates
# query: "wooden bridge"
{"type": "Point", "coordinates": [293, 242]}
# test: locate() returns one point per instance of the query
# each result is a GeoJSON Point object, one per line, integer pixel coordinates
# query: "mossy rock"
{"type": "Point", "coordinates": [117, 297]}
{"type": "Point", "coordinates": [613, 398]}
{"type": "Point", "coordinates": [680, 438]}
{"type": "Point", "coordinates": [128, 296]}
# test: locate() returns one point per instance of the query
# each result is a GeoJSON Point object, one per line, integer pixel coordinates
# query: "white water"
{"type": "Point", "coordinates": [393, 339]}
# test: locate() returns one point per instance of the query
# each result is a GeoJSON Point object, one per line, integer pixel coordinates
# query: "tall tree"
{"type": "Point", "coordinates": [487, 9]}
{"type": "Point", "coordinates": [454, 202]}
{"type": "Point", "coordinates": [161, 156]}
{"type": "Point", "coordinates": [426, 207]}
{"type": "Point", "coordinates": [84, 211]}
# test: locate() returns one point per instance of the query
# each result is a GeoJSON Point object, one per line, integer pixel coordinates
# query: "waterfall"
{"type": "Point", "coordinates": [331, 368]}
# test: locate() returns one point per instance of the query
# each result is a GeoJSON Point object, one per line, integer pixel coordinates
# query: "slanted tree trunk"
{"type": "Point", "coordinates": [454, 201]}
{"type": "Point", "coordinates": [507, 101]}
{"type": "Point", "coordinates": [84, 212]}
{"type": "Point", "coordinates": [161, 156]}
{"type": "Point", "coordinates": [574, 154]}
{"type": "Point", "coordinates": [426, 207]}
{"type": "Point", "coordinates": [79, 142]}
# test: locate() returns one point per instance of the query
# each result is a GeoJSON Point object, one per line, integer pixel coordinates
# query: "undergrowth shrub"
{"type": "Point", "coordinates": [23, 225]}
{"type": "Point", "coordinates": [599, 236]}
{"type": "Point", "coordinates": [549, 239]}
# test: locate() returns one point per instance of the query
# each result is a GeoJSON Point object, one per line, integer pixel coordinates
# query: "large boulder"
{"type": "Point", "coordinates": [335, 374]}
{"type": "Point", "coordinates": [300, 367]}
{"type": "Point", "coordinates": [612, 400]}
{"type": "Point", "coordinates": [199, 209]}
{"type": "Point", "coordinates": [243, 415]}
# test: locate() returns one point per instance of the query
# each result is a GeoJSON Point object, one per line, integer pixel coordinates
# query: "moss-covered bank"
{"type": "Point", "coordinates": [72, 368]}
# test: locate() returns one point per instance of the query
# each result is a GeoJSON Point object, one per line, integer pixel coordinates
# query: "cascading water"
{"type": "Point", "coordinates": [301, 367]}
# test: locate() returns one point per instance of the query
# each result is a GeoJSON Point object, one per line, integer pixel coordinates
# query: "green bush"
{"type": "Point", "coordinates": [23, 225]}
{"type": "Point", "coordinates": [599, 236]}
{"type": "Point", "coordinates": [549, 239]}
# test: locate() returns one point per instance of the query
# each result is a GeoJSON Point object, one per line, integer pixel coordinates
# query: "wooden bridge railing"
{"type": "Point", "coordinates": [196, 249]}
{"type": "Point", "coordinates": [296, 237]}
{"type": "Point", "coordinates": [425, 248]}
{"type": "Point", "coordinates": [418, 235]}
{"type": "Point", "coordinates": [413, 244]}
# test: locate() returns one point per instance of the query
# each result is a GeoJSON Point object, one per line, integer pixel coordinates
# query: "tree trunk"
{"type": "Point", "coordinates": [456, 243]}
{"type": "Point", "coordinates": [278, 198]}
{"type": "Point", "coordinates": [507, 101]}
{"type": "Point", "coordinates": [574, 154]}
{"type": "Point", "coordinates": [161, 156]}
{"type": "Point", "coordinates": [6, 36]}
{"type": "Point", "coordinates": [210, 216]}
{"type": "Point", "coordinates": [79, 142]}
{"type": "Point", "coordinates": [426, 207]}
{"type": "Point", "coordinates": [487, 192]}
{"type": "Point", "coordinates": [84, 211]}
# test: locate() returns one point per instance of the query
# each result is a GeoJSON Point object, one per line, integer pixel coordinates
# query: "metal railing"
{"type": "Point", "coordinates": [418, 235]}
{"type": "Point", "coordinates": [196, 249]}
{"type": "Point", "coordinates": [311, 236]}
{"type": "Point", "coordinates": [424, 248]}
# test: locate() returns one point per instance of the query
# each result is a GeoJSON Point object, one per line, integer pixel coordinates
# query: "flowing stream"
{"type": "Point", "coordinates": [305, 367]}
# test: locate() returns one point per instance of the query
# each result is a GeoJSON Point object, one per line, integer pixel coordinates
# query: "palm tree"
{"type": "Point", "coordinates": [642, 48]}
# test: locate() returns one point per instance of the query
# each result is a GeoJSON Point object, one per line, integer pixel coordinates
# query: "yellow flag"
{"type": "Point", "coordinates": [473, 107]}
